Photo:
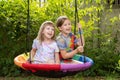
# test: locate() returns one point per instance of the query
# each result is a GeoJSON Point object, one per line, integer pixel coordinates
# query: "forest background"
{"type": "Point", "coordinates": [100, 20]}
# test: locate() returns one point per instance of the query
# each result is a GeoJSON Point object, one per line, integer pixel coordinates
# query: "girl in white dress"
{"type": "Point", "coordinates": [44, 47]}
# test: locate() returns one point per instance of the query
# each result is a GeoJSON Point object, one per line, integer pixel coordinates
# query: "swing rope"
{"type": "Point", "coordinates": [77, 21]}
{"type": "Point", "coordinates": [28, 31]}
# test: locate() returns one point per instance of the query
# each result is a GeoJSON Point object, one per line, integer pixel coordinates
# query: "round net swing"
{"type": "Point", "coordinates": [66, 68]}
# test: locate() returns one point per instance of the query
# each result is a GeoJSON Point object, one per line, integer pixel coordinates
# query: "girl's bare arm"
{"type": "Point", "coordinates": [33, 51]}
{"type": "Point", "coordinates": [57, 60]}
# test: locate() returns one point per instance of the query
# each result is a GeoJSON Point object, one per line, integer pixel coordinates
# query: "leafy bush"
{"type": "Point", "coordinates": [101, 42]}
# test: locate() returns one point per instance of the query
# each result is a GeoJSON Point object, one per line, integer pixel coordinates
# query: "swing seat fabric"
{"type": "Point", "coordinates": [65, 68]}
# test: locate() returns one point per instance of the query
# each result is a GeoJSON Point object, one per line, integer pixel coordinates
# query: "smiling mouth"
{"type": "Point", "coordinates": [49, 34]}
{"type": "Point", "coordinates": [68, 29]}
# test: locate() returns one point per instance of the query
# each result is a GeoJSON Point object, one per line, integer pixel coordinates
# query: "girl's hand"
{"type": "Point", "coordinates": [79, 26]}
{"type": "Point", "coordinates": [80, 49]}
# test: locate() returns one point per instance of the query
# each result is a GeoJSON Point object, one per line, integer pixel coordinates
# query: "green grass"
{"type": "Point", "coordinates": [63, 78]}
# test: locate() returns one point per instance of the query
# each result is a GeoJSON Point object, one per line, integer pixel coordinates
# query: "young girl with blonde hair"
{"type": "Point", "coordinates": [44, 47]}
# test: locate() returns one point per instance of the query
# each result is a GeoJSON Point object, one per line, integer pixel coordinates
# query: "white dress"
{"type": "Point", "coordinates": [45, 52]}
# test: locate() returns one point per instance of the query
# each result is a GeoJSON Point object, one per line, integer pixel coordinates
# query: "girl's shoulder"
{"type": "Point", "coordinates": [36, 41]}
{"type": "Point", "coordinates": [59, 36]}
{"type": "Point", "coordinates": [54, 42]}
{"type": "Point", "coordinates": [60, 39]}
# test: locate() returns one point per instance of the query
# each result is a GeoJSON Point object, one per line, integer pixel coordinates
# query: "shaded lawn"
{"type": "Point", "coordinates": [63, 78]}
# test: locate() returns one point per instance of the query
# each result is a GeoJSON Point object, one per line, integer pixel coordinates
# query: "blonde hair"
{"type": "Point", "coordinates": [61, 20]}
{"type": "Point", "coordinates": [42, 27]}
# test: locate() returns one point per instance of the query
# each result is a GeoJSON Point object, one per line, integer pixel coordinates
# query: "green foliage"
{"type": "Point", "coordinates": [97, 22]}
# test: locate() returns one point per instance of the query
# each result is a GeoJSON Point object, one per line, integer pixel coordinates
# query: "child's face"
{"type": "Point", "coordinates": [48, 32]}
{"type": "Point", "coordinates": [66, 27]}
